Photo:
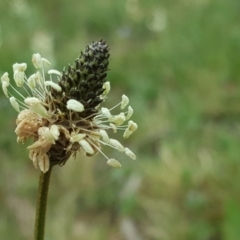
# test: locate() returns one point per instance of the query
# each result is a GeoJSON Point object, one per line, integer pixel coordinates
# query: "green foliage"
{"type": "Point", "coordinates": [178, 61]}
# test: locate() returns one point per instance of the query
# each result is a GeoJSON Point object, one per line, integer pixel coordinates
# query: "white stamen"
{"type": "Point", "coordinates": [106, 112]}
{"type": "Point", "coordinates": [37, 60]}
{"type": "Point", "coordinates": [107, 87]}
{"type": "Point", "coordinates": [124, 102]}
{"type": "Point", "coordinates": [130, 154]}
{"type": "Point", "coordinates": [18, 77]}
{"type": "Point", "coordinates": [132, 126]}
{"type": "Point", "coordinates": [52, 71]}
{"type": "Point", "coordinates": [36, 105]}
{"type": "Point", "coordinates": [47, 134]}
{"type": "Point", "coordinates": [77, 137]}
{"type": "Point", "coordinates": [53, 85]}
{"type": "Point", "coordinates": [21, 67]}
{"type": "Point", "coordinates": [44, 163]}
{"type": "Point", "coordinates": [33, 156]}
{"type": "Point", "coordinates": [39, 79]}
{"type": "Point", "coordinates": [55, 131]}
{"type": "Point", "coordinates": [75, 105]}
{"type": "Point", "coordinates": [118, 119]}
{"type": "Point", "coordinates": [5, 78]}
{"type": "Point", "coordinates": [32, 81]}
{"type": "Point", "coordinates": [129, 113]}
{"type": "Point", "coordinates": [31, 101]}
{"type": "Point", "coordinates": [127, 133]}
{"type": "Point", "coordinates": [86, 146]}
{"type": "Point", "coordinates": [104, 136]}
{"type": "Point", "coordinates": [5, 83]}
{"type": "Point", "coordinates": [4, 88]}
{"type": "Point", "coordinates": [115, 143]}
{"type": "Point", "coordinates": [14, 103]}
{"type": "Point", "coordinates": [113, 163]}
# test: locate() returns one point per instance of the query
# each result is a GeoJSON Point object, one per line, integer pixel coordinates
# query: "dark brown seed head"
{"type": "Point", "coordinates": [84, 81]}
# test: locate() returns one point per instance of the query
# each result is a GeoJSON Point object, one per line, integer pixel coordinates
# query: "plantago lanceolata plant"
{"type": "Point", "coordinates": [61, 112]}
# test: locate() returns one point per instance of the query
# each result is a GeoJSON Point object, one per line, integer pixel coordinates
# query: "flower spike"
{"type": "Point", "coordinates": [61, 111]}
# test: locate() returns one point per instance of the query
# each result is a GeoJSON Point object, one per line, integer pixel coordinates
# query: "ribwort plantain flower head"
{"type": "Point", "coordinates": [61, 111]}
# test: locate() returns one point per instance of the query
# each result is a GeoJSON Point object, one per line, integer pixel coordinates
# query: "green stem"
{"type": "Point", "coordinates": [42, 204]}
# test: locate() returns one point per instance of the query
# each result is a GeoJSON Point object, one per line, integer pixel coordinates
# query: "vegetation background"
{"type": "Point", "coordinates": [179, 63]}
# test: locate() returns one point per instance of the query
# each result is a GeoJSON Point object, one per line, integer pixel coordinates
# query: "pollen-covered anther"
{"type": "Point", "coordinates": [18, 77]}
{"type": "Point", "coordinates": [31, 101]}
{"type": "Point", "coordinates": [129, 113]}
{"type": "Point", "coordinates": [18, 73]}
{"type": "Point", "coordinates": [49, 134]}
{"type": "Point", "coordinates": [55, 131]}
{"type": "Point", "coordinates": [5, 83]}
{"type": "Point", "coordinates": [19, 67]}
{"type": "Point", "coordinates": [25, 129]}
{"type": "Point", "coordinates": [44, 163]}
{"type": "Point", "coordinates": [132, 126]}
{"type": "Point", "coordinates": [14, 103]}
{"type": "Point", "coordinates": [37, 60]}
{"type": "Point", "coordinates": [75, 105]}
{"type": "Point", "coordinates": [53, 85]}
{"type": "Point", "coordinates": [130, 154]}
{"type": "Point", "coordinates": [118, 119]}
{"type": "Point", "coordinates": [32, 81]}
{"type": "Point", "coordinates": [26, 114]}
{"type": "Point", "coordinates": [4, 88]}
{"type": "Point", "coordinates": [77, 137]}
{"type": "Point", "coordinates": [124, 102]}
{"type": "Point", "coordinates": [116, 144]}
{"type": "Point", "coordinates": [106, 113]}
{"type": "Point", "coordinates": [28, 124]}
{"type": "Point", "coordinates": [41, 146]}
{"type": "Point", "coordinates": [104, 135]}
{"type": "Point", "coordinates": [33, 155]}
{"type": "Point", "coordinates": [53, 71]}
{"type": "Point", "coordinates": [86, 146]}
{"type": "Point", "coordinates": [5, 77]}
{"type": "Point", "coordinates": [36, 105]}
{"type": "Point", "coordinates": [107, 87]}
{"type": "Point", "coordinates": [39, 79]}
{"type": "Point", "coordinates": [113, 163]}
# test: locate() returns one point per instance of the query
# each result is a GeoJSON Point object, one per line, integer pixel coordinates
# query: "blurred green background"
{"type": "Point", "coordinates": [178, 61]}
